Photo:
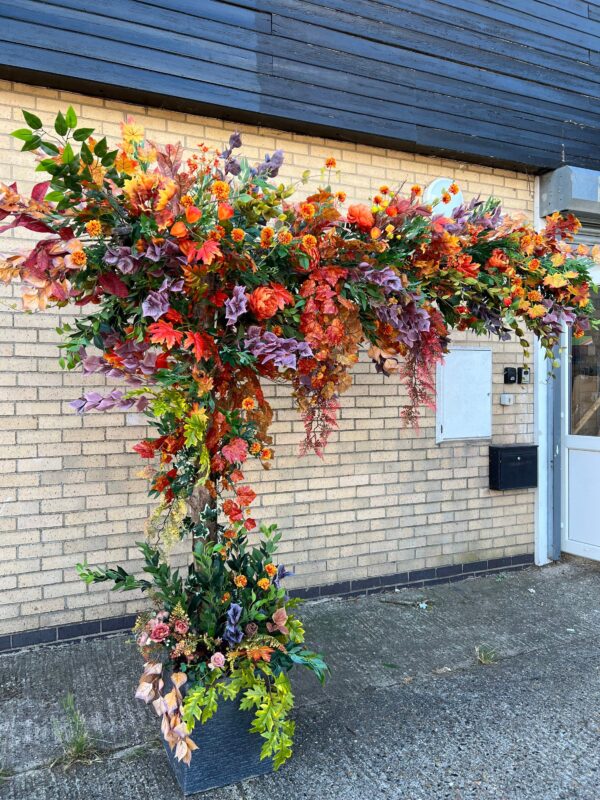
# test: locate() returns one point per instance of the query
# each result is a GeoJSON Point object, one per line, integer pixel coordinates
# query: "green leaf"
{"type": "Point", "coordinates": [68, 155]}
{"type": "Point", "coordinates": [23, 133]}
{"type": "Point", "coordinates": [81, 134]}
{"type": "Point", "coordinates": [31, 119]}
{"type": "Point", "coordinates": [60, 124]}
{"type": "Point", "coordinates": [71, 117]}
{"type": "Point", "coordinates": [32, 144]}
{"type": "Point", "coordinates": [54, 197]}
{"type": "Point", "coordinates": [49, 148]}
{"type": "Point", "coordinates": [86, 154]}
{"type": "Point", "coordinates": [101, 148]}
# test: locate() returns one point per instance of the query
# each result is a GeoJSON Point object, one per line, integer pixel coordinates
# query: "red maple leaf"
{"type": "Point", "coordinates": [209, 251]}
{"type": "Point", "coordinates": [164, 333]}
{"type": "Point", "coordinates": [200, 343]}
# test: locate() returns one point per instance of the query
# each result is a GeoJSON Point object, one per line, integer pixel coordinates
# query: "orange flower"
{"type": "Point", "coordinates": [266, 237]}
{"type": "Point", "coordinates": [535, 296]}
{"type": "Point", "coordinates": [192, 214]}
{"type": "Point", "coordinates": [309, 242]}
{"type": "Point", "coordinates": [341, 196]}
{"type": "Point", "coordinates": [264, 584]}
{"type": "Point", "coordinates": [330, 163]}
{"type": "Point", "coordinates": [307, 210]}
{"type": "Point", "coordinates": [220, 189]}
{"type": "Point", "coordinates": [284, 237]}
{"type": "Point", "coordinates": [266, 454]}
{"type": "Point", "coordinates": [416, 190]}
{"type": "Point", "coordinates": [446, 197]}
{"type": "Point", "coordinates": [453, 188]}
{"type": "Point", "coordinates": [179, 230]}
{"type": "Point", "coordinates": [271, 570]}
{"type": "Point", "coordinates": [384, 189]}
{"type": "Point", "coordinates": [240, 581]}
{"type": "Point", "coordinates": [248, 403]}
{"type": "Point", "coordinates": [226, 597]}
{"type": "Point", "coordinates": [237, 234]}
{"type": "Point", "coordinates": [265, 301]}
{"type": "Point", "coordinates": [229, 533]}
{"type": "Point", "coordinates": [186, 200]}
{"type": "Point", "coordinates": [93, 227]}
{"type": "Point", "coordinates": [255, 448]}
{"type": "Point", "coordinates": [225, 211]}
{"type": "Point", "coordinates": [361, 216]}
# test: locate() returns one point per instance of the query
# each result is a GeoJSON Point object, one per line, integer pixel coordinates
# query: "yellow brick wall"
{"type": "Point", "coordinates": [385, 499]}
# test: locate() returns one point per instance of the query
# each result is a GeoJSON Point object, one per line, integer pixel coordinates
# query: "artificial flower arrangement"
{"type": "Point", "coordinates": [200, 276]}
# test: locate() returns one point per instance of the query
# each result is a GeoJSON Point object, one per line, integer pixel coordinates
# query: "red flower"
{"type": "Point", "coordinates": [250, 524]}
{"type": "Point", "coordinates": [361, 216]}
{"type": "Point", "coordinates": [233, 511]}
{"type": "Point", "coordinates": [245, 495]}
{"type": "Point", "coordinates": [265, 301]}
{"type": "Point", "coordinates": [236, 450]}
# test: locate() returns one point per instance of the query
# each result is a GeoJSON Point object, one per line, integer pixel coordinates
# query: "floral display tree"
{"type": "Point", "coordinates": [198, 277]}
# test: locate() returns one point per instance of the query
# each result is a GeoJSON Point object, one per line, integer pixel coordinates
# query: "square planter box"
{"type": "Point", "coordinates": [227, 751]}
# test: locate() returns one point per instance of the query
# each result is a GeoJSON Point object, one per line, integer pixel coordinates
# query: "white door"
{"type": "Point", "coordinates": [580, 462]}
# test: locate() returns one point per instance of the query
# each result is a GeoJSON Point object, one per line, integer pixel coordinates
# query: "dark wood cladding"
{"type": "Point", "coordinates": [510, 82]}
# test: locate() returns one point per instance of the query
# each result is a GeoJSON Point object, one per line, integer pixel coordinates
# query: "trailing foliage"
{"type": "Point", "coordinates": [199, 276]}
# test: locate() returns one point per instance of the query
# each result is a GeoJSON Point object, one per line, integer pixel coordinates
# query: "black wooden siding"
{"type": "Point", "coordinates": [512, 82]}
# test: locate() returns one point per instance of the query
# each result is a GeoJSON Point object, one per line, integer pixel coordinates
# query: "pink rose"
{"type": "Point", "coordinates": [181, 627]}
{"type": "Point", "coordinates": [217, 661]}
{"type": "Point", "coordinates": [159, 632]}
{"type": "Point", "coordinates": [143, 639]}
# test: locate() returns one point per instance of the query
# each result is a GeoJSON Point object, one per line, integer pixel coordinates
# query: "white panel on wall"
{"type": "Point", "coordinates": [464, 395]}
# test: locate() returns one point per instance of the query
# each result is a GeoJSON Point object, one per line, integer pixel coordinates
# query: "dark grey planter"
{"type": "Point", "coordinates": [227, 751]}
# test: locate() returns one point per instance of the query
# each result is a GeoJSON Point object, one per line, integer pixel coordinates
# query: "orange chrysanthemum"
{"type": "Point", "coordinates": [240, 581]}
{"type": "Point", "coordinates": [237, 234]}
{"type": "Point", "coordinates": [330, 163]}
{"type": "Point", "coordinates": [307, 210]}
{"type": "Point", "coordinates": [284, 237]}
{"type": "Point", "coordinates": [93, 227]}
{"type": "Point", "coordinates": [220, 189]}
{"type": "Point", "coordinates": [264, 584]}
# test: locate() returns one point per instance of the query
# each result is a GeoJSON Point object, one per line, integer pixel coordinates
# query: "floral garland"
{"type": "Point", "coordinates": [201, 276]}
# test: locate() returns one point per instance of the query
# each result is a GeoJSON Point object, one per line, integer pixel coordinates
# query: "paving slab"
{"type": "Point", "coordinates": [408, 714]}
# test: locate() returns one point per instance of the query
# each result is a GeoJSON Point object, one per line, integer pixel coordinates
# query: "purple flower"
{"type": "Point", "coordinates": [266, 346]}
{"type": "Point", "coordinates": [155, 305]}
{"type": "Point", "coordinates": [236, 305]}
{"type": "Point", "coordinates": [233, 633]}
{"type": "Point", "coordinates": [282, 573]}
{"type": "Point", "coordinates": [271, 165]}
{"type": "Point", "coordinates": [408, 320]}
{"type": "Point", "coordinates": [385, 277]}
{"type": "Point", "coordinates": [121, 258]}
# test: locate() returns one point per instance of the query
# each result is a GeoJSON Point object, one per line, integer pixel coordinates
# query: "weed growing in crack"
{"type": "Point", "coordinates": [486, 654]}
{"type": "Point", "coordinates": [79, 746]}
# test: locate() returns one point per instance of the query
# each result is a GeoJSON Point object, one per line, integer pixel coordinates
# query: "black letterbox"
{"type": "Point", "coordinates": [513, 466]}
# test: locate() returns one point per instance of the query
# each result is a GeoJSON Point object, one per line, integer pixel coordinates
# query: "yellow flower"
{"type": "Point", "coordinates": [264, 584]}
{"type": "Point", "coordinates": [247, 403]}
{"type": "Point", "coordinates": [240, 581]}
{"type": "Point", "coordinates": [309, 242]}
{"type": "Point", "coordinates": [132, 132]}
